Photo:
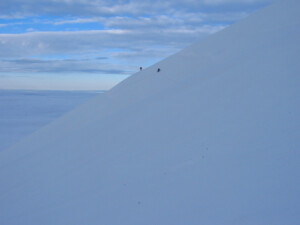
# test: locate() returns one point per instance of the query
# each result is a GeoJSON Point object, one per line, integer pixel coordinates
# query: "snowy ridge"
{"type": "Point", "coordinates": [211, 139]}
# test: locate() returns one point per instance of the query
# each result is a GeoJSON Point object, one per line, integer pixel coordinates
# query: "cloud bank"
{"type": "Point", "coordinates": [106, 37]}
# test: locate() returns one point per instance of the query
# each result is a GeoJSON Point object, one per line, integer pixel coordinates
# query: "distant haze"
{"type": "Point", "coordinates": [54, 81]}
{"type": "Point", "coordinates": [23, 112]}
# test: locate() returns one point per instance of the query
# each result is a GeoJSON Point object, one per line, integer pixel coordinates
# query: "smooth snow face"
{"type": "Point", "coordinates": [213, 138]}
{"type": "Point", "coordinates": [22, 112]}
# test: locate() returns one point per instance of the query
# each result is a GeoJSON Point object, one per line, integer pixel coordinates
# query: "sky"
{"type": "Point", "coordinates": [93, 45]}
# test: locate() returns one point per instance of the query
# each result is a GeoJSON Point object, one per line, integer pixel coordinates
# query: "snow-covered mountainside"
{"type": "Point", "coordinates": [213, 138]}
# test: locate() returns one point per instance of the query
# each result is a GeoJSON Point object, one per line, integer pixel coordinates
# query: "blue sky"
{"type": "Point", "coordinates": [92, 45]}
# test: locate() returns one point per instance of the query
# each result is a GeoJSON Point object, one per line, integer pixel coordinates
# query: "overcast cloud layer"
{"type": "Point", "coordinates": [106, 37]}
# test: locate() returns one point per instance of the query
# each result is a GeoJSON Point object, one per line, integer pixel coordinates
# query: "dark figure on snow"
{"type": "Point", "coordinates": [158, 70]}
{"type": "Point", "coordinates": [141, 68]}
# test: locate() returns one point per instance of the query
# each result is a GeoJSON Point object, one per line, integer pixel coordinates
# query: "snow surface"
{"type": "Point", "coordinates": [24, 111]}
{"type": "Point", "coordinates": [211, 139]}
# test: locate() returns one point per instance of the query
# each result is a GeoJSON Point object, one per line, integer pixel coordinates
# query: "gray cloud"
{"type": "Point", "coordinates": [135, 32]}
{"type": "Point", "coordinates": [19, 52]}
{"type": "Point", "coordinates": [29, 65]}
{"type": "Point", "coordinates": [53, 43]}
{"type": "Point", "coordinates": [108, 7]}
{"type": "Point", "coordinates": [217, 2]}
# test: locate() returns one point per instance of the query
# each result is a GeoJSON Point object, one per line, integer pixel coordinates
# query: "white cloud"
{"type": "Point", "coordinates": [108, 7]}
{"type": "Point", "coordinates": [77, 21]}
{"type": "Point", "coordinates": [132, 32]}
{"type": "Point", "coordinates": [216, 2]}
{"type": "Point", "coordinates": [18, 50]}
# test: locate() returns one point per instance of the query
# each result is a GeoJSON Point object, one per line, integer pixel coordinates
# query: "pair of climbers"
{"type": "Point", "coordinates": [158, 69]}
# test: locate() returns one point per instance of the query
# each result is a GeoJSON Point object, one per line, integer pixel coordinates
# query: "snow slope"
{"type": "Point", "coordinates": [211, 139]}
